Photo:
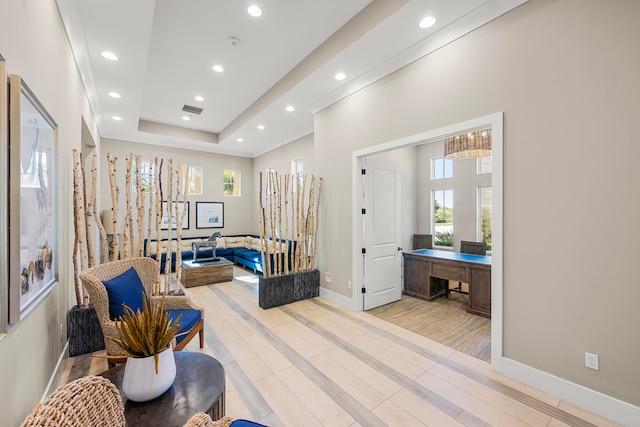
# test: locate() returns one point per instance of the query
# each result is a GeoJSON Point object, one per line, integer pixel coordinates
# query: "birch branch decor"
{"type": "Point", "coordinates": [302, 215]}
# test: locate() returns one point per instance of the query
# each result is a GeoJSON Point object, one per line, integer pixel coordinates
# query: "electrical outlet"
{"type": "Point", "coordinates": [349, 284]}
{"type": "Point", "coordinates": [327, 277]}
{"type": "Point", "coordinates": [591, 361]}
{"type": "Point", "coordinates": [61, 333]}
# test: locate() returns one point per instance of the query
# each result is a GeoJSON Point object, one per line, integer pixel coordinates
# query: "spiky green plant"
{"type": "Point", "coordinates": [146, 332]}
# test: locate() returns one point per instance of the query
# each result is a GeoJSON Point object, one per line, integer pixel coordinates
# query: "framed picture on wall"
{"type": "Point", "coordinates": [33, 163]}
{"type": "Point", "coordinates": [164, 222]}
{"type": "Point", "coordinates": [209, 215]}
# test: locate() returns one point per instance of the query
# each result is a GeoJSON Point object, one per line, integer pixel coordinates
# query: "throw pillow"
{"type": "Point", "coordinates": [125, 289]}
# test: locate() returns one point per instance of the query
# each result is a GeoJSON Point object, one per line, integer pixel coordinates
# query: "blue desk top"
{"type": "Point", "coordinates": [454, 256]}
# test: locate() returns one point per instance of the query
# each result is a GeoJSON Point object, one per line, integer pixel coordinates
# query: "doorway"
{"type": "Point", "coordinates": [495, 123]}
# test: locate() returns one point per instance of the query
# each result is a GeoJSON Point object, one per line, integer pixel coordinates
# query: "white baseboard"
{"type": "Point", "coordinates": [340, 299]}
{"type": "Point", "coordinates": [606, 406]}
{"type": "Point", "coordinates": [57, 372]}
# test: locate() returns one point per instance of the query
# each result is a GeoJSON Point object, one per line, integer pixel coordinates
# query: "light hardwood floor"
{"type": "Point", "coordinates": [314, 363]}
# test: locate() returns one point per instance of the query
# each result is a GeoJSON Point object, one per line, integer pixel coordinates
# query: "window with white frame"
{"type": "Point", "coordinates": [192, 177]}
{"type": "Point", "coordinates": [297, 171]}
{"type": "Point", "coordinates": [484, 165]}
{"type": "Point", "coordinates": [441, 168]}
{"type": "Point", "coordinates": [442, 219]}
{"type": "Point", "coordinates": [231, 183]}
{"type": "Point", "coordinates": [484, 215]}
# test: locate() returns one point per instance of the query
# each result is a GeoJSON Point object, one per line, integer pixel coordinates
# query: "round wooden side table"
{"type": "Point", "coordinates": [199, 387]}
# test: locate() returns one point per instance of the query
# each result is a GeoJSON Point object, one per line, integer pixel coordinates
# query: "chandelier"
{"type": "Point", "coordinates": [471, 145]}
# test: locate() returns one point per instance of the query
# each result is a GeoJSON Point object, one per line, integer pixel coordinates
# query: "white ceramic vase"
{"type": "Point", "coordinates": [140, 381]}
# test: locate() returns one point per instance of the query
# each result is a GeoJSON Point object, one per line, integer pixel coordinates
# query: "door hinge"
{"type": "Point", "coordinates": [364, 290]}
{"type": "Point", "coordinates": [364, 211]}
{"type": "Point", "coordinates": [364, 251]}
{"type": "Point", "coordinates": [364, 171]}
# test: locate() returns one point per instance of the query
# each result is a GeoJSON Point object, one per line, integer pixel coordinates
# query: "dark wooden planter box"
{"type": "Point", "coordinates": [83, 331]}
{"type": "Point", "coordinates": [281, 290]}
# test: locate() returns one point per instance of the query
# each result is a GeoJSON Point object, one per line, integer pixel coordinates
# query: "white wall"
{"type": "Point", "coordinates": [564, 74]}
{"type": "Point", "coordinates": [34, 44]}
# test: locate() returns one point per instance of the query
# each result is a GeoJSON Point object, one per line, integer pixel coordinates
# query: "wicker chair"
{"type": "Point", "coordinates": [147, 271]}
{"type": "Point", "coordinates": [203, 420]}
{"type": "Point", "coordinates": [91, 401]}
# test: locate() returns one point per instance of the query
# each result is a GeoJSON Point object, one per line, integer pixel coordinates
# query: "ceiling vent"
{"type": "Point", "coordinates": [191, 109]}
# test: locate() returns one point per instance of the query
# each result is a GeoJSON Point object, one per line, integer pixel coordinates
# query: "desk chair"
{"type": "Point", "coordinates": [422, 241]}
{"type": "Point", "coordinates": [473, 248]}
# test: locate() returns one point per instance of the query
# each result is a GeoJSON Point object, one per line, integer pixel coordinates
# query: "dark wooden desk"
{"type": "Point", "coordinates": [199, 387]}
{"type": "Point", "coordinates": [427, 273]}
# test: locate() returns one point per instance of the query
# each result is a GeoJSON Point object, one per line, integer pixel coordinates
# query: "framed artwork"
{"type": "Point", "coordinates": [164, 222]}
{"type": "Point", "coordinates": [209, 215]}
{"type": "Point", "coordinates": [33, 163]}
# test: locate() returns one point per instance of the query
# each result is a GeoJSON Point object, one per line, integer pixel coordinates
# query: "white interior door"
{"type": "Point", "coordinates": [382, 275]}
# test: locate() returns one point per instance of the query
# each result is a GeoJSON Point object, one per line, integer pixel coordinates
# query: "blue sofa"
{"type": "Point", "coordinates": [243, 250]}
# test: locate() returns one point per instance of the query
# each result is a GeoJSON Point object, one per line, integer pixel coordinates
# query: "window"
{"type": "Point", "coordinates": [192, 176]}
{"type": "Point", "coordinates": [232, 183]}
{"type": "Point", "coordinates": [297, 171]}
{"type": "Point", "coordinates": [484, 165]}
{"type": "Point", "coordinates": [443, 217]}
{"type": "Point", "coordinates": [484, 208]}
{"type": "Point", "coordinates": [442, 168]}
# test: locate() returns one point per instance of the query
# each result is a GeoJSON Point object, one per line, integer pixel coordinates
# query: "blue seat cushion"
{"type": "Point", "coordinates": [189, 319]}
{"type": "Point", "coordinates": [245, 423]}
{"type": "Point", "coordinates": [124, 289]}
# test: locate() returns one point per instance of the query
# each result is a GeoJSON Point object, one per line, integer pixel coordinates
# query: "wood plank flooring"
{"type": "Point", "coordinates": [444, 320]}
{"type": "Point", "coordinates": [314, 363]}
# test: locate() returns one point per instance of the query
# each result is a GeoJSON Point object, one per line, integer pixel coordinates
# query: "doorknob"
{"type": "Point", "coordinates": [399, 248]}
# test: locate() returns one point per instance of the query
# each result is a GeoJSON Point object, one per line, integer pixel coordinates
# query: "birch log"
{"type": "Point", "coordinates": [115, 194]}
{"type": "Point", "coordinates": [139, 207]}
{"type": "Point", "coordinates": [88, 210]}
{"type": "Point", "coordinates": [94, 207]}
{"type": "Point", "coordinates": [151, 178]}
{"type": "Point", "coordinates": [317, 224]}
{"type": "Point", "coordinates": [287, 249]}
{"type": "Point", "coordinates": [263, 245]}
{"type": "Point", "coordinates": [158, 222]}
{"type": "Point", "coordinates": [127, 235]}
{"type": "Point", "coordinates": [167, 264]}
{"type": "Point", "coordinates": [79, 214]}
{"type": "Point", "coordinates": [179, 220]}
{"type": "Point", "coordinates": [76, 240]}
{"type": "Point", "coordinates": [278, 231]}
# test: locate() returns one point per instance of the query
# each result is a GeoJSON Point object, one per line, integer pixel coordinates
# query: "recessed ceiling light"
{"type": "Point", "coordinates": [187, 118]}
{"type": "Point", "coordinates": [217, 68]}
{"type": "Point", "coordinates": [290, 108]}
{"type": "Point", "coordinates": [199, 98]}
{"type": "Point", "coordinates": [240, 140]}
{"type": "Point", "coordinates": [115, 95]}
{"type": "Point", "coordinates": [340, 76]}
{"type": "Point", "coordinates": [427, 22]}
{"type": "Point", "coordinates": [254, 10]}
{"type": "Point", "coordinates": [261, 127]}
{"type": "Point", "coordinates": [117, 118]}
{"type": "Point", "coordinates": [110, 56]}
